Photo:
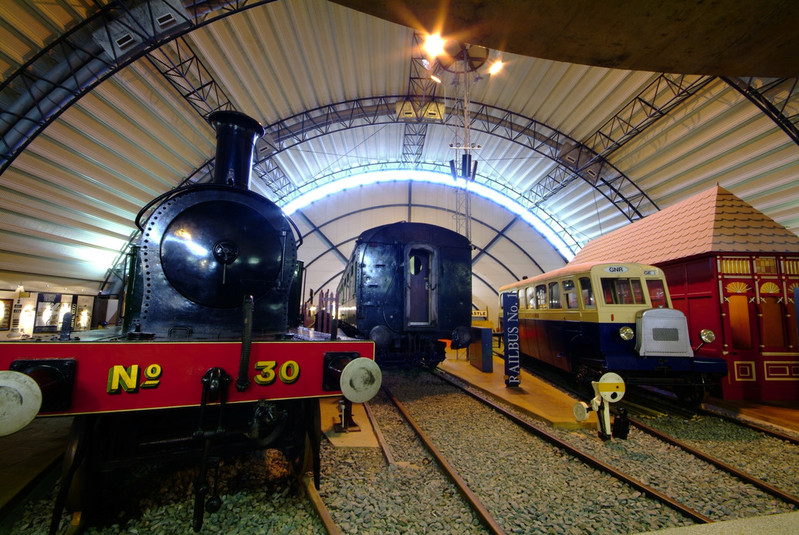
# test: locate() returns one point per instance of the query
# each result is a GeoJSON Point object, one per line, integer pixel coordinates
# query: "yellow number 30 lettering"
{"type": "Point", "coordinates": [288, 372]}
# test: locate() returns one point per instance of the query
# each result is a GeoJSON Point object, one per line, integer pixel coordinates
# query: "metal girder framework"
{"type": "Point", "coordinates": [421, 91]}
{"type": "Point", "coordinates": [778, 98]}
{"type": "Point", "coordinates": [311, 124]}
{"type": "Point", "coordinates": [656, 100]}
{"type": "Point", "coordinates": [570, 154]}
{"type": "Point", "coordinates": [619, 190]}
{"type": "Point", "coordinates": [114, 36]}
{"type": "Point", "coordinates": [186, 73]}
{"type": "Point", "coordinates": [662, 95]}
{"type": "Point", "coordinates": [413, 142]}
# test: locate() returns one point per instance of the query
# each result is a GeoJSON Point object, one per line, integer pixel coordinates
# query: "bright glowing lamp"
{"type": "Point", "coordinates": [495, 67]}
{"type": "Point", "coordinates": [434, 45]}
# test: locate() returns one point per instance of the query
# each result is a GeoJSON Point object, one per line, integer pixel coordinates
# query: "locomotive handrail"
{"type": "Point", "coordinates": [296, 229]}
{"type": "Point", "coordinates": [170, 193]}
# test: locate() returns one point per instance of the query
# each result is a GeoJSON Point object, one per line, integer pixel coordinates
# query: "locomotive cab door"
{"type": "Point", "coordinates": [421, 286]}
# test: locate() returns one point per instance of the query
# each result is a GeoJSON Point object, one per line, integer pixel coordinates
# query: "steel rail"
{"type": "Point", "coordinates": [319, 506]}
{"type": "Point", "coordinates": [751, 425]}
{"type": "Point", "coordinates": [486, 517]}
{"type": "Point", "coordinates": [381, 439]}
{"type": "Point", "coordinates": [743, 476]}
{"type": "Point", "coordinates": [583, 456]}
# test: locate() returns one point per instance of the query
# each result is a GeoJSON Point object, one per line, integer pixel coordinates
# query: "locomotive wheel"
{"type": "Point", "coordinates": [74, 494]}
{"type": "Point", "coordinates": [304, 451]}
{"type": "Point", "coordinates": [434, 354]}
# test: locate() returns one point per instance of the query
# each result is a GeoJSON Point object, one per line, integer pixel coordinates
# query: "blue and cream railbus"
{"type": "Point", "coordinates": [588, 319]}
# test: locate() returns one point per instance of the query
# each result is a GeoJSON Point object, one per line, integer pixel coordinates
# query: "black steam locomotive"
{"type": "Point", "coordinates": [212, 291]}
{"type": "Point", "coordinates": [212, 254]}
{"type": "Point", "coordinates": [407, 287]}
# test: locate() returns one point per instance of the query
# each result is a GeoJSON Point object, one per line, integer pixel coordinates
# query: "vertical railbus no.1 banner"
{"type": "Point", "coordinates": [510, 338]}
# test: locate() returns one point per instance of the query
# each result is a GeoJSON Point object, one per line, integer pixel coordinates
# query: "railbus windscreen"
{"type": "Point", "coordinates": [623, 291]}
{"type": "Point", "coordinates": [657, 293]}
{"type": "Point", "coordinates": [587, 293]}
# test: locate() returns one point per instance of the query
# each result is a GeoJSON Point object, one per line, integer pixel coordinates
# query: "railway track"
{"type": "Point", "coordinates": [755, 454]}
{"type": "Point", "coordinates": [679, 474]}
{"type": "Point", "coordinates": [743, 448]}
{"type": "Point", "coordinates": [525, 483]}
{"type": "Point", "coordinates": [257, 491]}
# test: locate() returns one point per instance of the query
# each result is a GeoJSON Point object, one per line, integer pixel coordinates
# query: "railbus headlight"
{"type": "Point", "coordinates": [626, 333]}
{"type": "Point", "coordinates": [707, 336]}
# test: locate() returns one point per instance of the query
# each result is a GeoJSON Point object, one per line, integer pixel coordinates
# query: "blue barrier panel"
{"type": "Point", "coordinates": [510, 337]}
{"type": "Point", "coordinates": [480, 351]}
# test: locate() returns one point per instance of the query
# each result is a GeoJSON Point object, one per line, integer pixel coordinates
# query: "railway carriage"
{"type": "Point", "coordinates": [408, 287]}
{"type": "Point", "coordinates": [588, 319]}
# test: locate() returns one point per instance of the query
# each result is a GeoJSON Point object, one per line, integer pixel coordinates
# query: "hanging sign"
{"type": "Point", "coordinates": [510, 338]}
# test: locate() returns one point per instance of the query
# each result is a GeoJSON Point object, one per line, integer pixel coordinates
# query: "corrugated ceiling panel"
{"type": "Point", "coordinates": [134, 136]}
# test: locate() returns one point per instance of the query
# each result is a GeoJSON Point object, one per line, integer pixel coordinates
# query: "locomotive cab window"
{"type": "Point", "coordinates": [622, 291]}
{"type": "Point", "coordinates": [587, 293]}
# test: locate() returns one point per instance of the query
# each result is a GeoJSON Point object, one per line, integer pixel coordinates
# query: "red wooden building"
{"type": "Point", "coordinates": [729, 268]}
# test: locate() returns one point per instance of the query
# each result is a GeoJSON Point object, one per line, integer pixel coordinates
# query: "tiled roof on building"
{"type": "Point", "coordinates": [712, 221]}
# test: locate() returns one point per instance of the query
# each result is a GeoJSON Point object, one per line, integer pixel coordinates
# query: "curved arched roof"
{"type": "Point", "coordinates": [93, 130]}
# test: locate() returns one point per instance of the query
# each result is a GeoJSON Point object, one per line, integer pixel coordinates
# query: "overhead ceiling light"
{"type": "Point", "coordinates": [435, 78]}
{"type": "Point", "coordinates": [495, 67]}
{"type": "Point", "coordinates": [434, 45]}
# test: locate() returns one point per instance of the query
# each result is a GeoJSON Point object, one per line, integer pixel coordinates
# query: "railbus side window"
{"type": "Point", "coordinates": [587, 292]}
{"type": "Point", "coordinates": [657, 293]}
{"type": "Point", "coordinates": [570, 292]}
{"type": "Point", "coordinates": [530, 297]}
{"type": "Point", "coordinates": [609, 291]}
{"type": "Point", "coordinates": [522, 302]}
{"type": "Point", "coordinates": [554, 295]}
{"type": "Point", "coordinates": [541, 296]}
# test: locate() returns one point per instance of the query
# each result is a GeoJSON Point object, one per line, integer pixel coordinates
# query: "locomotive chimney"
{"type": "Point", "coordinates": [235, 141]}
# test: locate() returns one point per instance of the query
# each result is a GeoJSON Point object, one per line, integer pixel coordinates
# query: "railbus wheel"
{"type": "Point", "coordinates": [693, 395]}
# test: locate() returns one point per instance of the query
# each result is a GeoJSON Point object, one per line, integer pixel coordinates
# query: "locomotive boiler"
{"type": "Point", "coordinates": [408, 287]}
{"type": "Point", "coordinates": [206, 363]}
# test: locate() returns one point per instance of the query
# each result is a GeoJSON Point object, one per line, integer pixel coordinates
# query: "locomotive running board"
{"type": "Point", "coordinates": [125, 376]}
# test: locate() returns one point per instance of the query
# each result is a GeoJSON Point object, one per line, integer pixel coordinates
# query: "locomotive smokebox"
{"type": "Point", "coordinates": [207, 249]}
{"type": "Point", "coordinates": [236, 134]}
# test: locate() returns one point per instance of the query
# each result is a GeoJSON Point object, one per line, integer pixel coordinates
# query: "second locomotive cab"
{"type": "Point", "coordinates": [588, 319]}
{"type": "Point", "coordinates": [407, 287]}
